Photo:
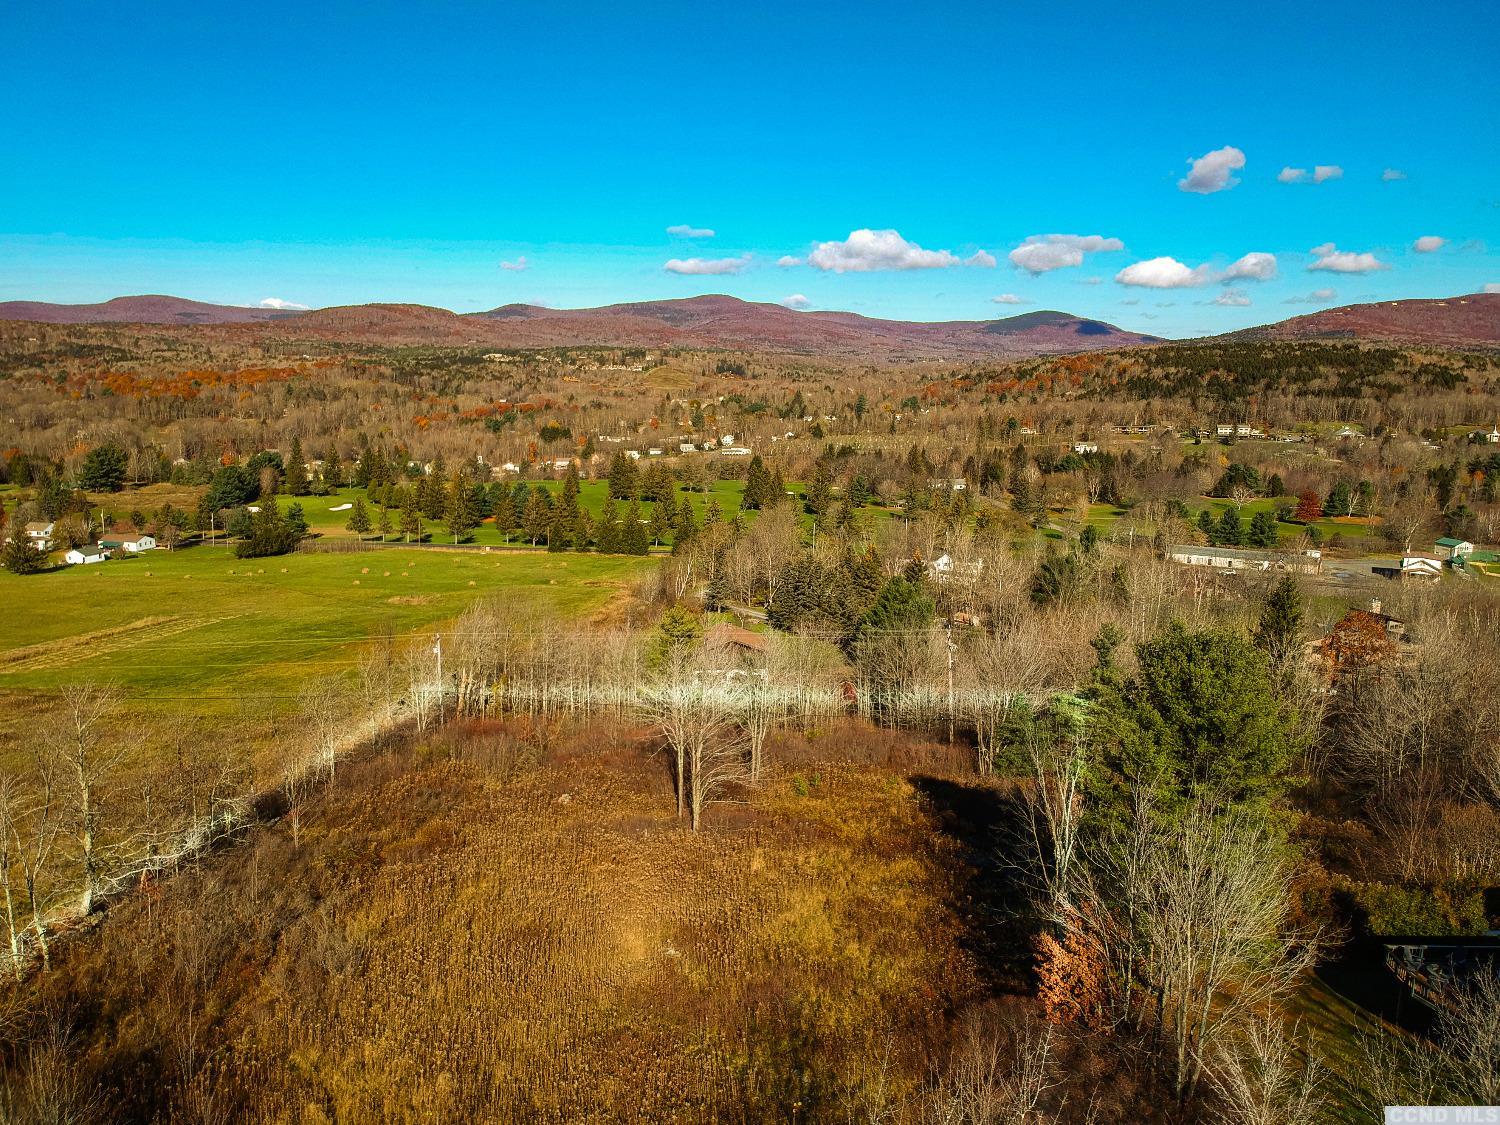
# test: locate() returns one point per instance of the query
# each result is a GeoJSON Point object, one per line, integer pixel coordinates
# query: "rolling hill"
{"type": "Point", "coordinates": [1465, 321]}
{"type": "Point", "coordinates": [147, 309]}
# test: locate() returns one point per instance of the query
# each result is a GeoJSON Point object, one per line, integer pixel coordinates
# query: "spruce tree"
{"type": "Point", "coordinates": [633, 537]}
{"type": "Point", "coordinates": [296, 483]}
{"type": "Point", "coordinates": [359, 517]}
{"type": "Point", "coordinates": [385, 522]}
{"type": "Point", "coordinates": [411, 517]}
{"type": "Point", "coordinates": [622, 477]}
{"type": "Point", "coordinates": [1230, 532]}
{"type": "Point", "coordinates": [608, 533]}
{"type": "Point", "coordinates": [1280, 628]}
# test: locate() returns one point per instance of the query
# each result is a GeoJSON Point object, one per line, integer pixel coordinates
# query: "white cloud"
{"type": "Point", "coordinates": [1233, 298]}
{"type": "Point", "coordinates": [517, 266]}
{"type": "Point", "coordinates": [1163, 273]}
{"type": "Point", "coordinates": [1010, 299]}
{"type": "Point", "coordinates": [278, 303]}
{"type": "Point", "coordinates": [1331, 258]}
{"type": "Point", "coordinates": [796, 301]}
{"type": "Point", "coordinates": [788, 260]}
{"type": "Point", "coordinates": [866, 250]}
{"type": "Point", "coordinates": [682, 230]}
{"type": "Point", "coordinates": [1492, 287]}
{"type": "Point", "coordinates": [1043, 252]}
{"type": "Point", "coordinates": [981, 258]}
{"type": "Point", "coordinates": [1392, 174]}
{"type": "Point", "coordinates": [709, 266]}
{"type": "Point", "coordinates": [1254, 266]}
{"type": "Point", "coordinates": [1316, 297]}
{"type": "Point", "coordinates": [1323, 172]}
{"type": "Point", "coordinates": [1428, 243]}
{"type": "Point", "coordinates": [1290, 175]}
{"type": "Point", "coordinates": [1212, 171]}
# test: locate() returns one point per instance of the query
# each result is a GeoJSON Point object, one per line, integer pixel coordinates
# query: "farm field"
{"type": "Point", "coordinates": [197, 630]}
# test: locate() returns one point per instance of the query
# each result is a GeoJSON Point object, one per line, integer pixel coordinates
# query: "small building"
{"type": "Point", "coordinates": [735, 451]}
{"type": "Point", "coordinates": [949, 484]}
{"type": "Point", "coordinates": [130, 544]}
{"type": "Point", "coordinates": [1424, 567]}
{"type": "Point", "coordinates": [726, 439]}
{"type": "Point", "coordinates": [687, 447]}
{"type": "Point", "coordinates": [945, 566]}
{"type": "Point", "coordinates": [1454, 550]}
{"type": "Point", "coordinates": [1348, 432]}
{"type": "Point", "coordinates": [562, 464]}
{"type": "Point", "coordinates": [654, 451]}
{"type": "Point", "coordinates": [1082, 447]}
{"type": "Point", "coordinates": [633, 454]}
{"type": "Point", "coordinates": [1244, 558]}
{"type": "Point", "coordinates": [1224, 429]}
{"type": "Point", "coordinates": [39, 535]}
{"type": "Point", "coordinates": [1493, 437]}
{"type": "Point", "coordinates": [83, 556]}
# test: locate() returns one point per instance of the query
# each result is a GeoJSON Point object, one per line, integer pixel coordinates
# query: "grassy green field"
{"type": "Point", "coordinates": [1354, 533]}
{"type": "Point", "coordinates": [199, 620]}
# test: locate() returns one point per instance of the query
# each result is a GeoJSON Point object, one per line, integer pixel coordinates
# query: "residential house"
{"type": "Point", "coordinates": [130, 544]}
{"type": "Point", "coordinates": [949, 484]}
{"type": "Point", "coordinates": [1081, 447]}
{"type": "Point", "coordinates": [687, 447]}
{"type": "Point", "coordinates": [1239, 558]}
{"type": "Point", "coordinates": [654, 451]}
{"type": "Point", "coordinates": [726, 439]}
{"type": "Point", "coordinates": [1454, 550]}
{"type": "Point", "coordinates": [1426, 567]}
{"type": "Point", "coordinates": [633, 454]}
{"type": "Point", "coordinates": [83, 556]}
{"type": "Point", "coordinates": [40, 535]}
{"type": "Point", "coordinates": [945, 567]}
{"type": "Point", "coordinates": [735, 451]}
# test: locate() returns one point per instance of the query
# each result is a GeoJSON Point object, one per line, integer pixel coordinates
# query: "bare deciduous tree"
{"type": "Point", "coordinates": [90, 757]}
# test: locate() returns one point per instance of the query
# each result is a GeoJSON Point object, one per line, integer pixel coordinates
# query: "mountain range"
{"type": "Point", "coordinates": [718, 321]}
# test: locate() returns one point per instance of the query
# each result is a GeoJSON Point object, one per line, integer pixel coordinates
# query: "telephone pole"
{"type": "Point", "coordinates": [437, 648]}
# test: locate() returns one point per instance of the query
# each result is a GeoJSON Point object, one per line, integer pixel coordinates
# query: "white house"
{"type": "Point", "coordinates": [1454, 550]}
{"type": "Point", "coordinates": [654, 451]}
{"type": "Point", "coordinates": [945, 566]}
{"type": "Point", "coordinates": [82, 556]}
{"type": "Point", "coordinates": [1493, 437]}
{"type": "Point", "coordinates": [949, 484]}
{"type": "Point", "coordinates": [1421, 566]}
{"type": "Point", "coordinates": [1224, 429]}
{"type": "Point", "coordinates": [40, 535]}
{"type": "Point", "coordinates": [735, 451]}
{"type": "Point", "coordinates": [130, 544]}
{"type": "Point", "coordinates": [1085, 447]}
{"type": "Point", "coordinates": [1348, 432]}
{"type": "Point", "coordinates": [633, 454]}
{"type": "Point", "coordinates": [726, 439]}
{"type": "Point", "coordinates": [686, 447]}
{"type": "Point", "coordinates": [562, 464]}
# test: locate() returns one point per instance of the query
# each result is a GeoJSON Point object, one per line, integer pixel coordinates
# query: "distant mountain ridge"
{"type": "Point", "coordinates": [1469, 320]}
{"type": "Point", "coordinates": [721, 321]}
{"type": "Point", "coordinates": [147, 309]}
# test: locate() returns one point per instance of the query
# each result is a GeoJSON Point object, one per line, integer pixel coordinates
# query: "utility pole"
{"type": "Point", "coordinates": [952, 648]}
{"type": "Point", "coordinates": [437, 648]}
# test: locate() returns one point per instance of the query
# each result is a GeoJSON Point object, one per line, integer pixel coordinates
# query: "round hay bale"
{"type": "Point", "coordinates": [387, 574]}
{"type": "Point", "coordinates": [364, 570]}
{"type": "Point", "coordinates": [356, 581]}
{"type": "Point", "coordinates": [471, 582]}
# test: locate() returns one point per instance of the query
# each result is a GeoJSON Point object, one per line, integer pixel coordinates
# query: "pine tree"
{"type": "Point", "coordinates": [537, 516]}
{"type": "Point", "coordinates": [686, 529]}
{"type": "Point", "coordinates": [622, 477]}
{"type": "Point", "coordinates": [296, 483]}
{"type": "Point", "coordinates": [757, 485]}
{"type": "Point", "coordinates": [385, 522]}
{"type": "Point", "coordinates": [608, 533]}
{"type": "Point", "coordinates": [1230, 532]}
{"type": "Point", "coordinates": [1263, 529]}
{"type": "Point", "coordinates": [460, 511]}
{"type": "Point", "coordinates": [633, 539]}
{"type": "Point", "coordinates": [18, 556]}
{"type": "Point", "coordinates": [505, 515]}
{"type": "Point", "coordinates": [1206, 525]}
{"type": "Point", "coordinates": [359, 517]}
{"type": "Point", "coordinates": [411, 517]}
{"type": "Point", "coordinates": [1280, 628]}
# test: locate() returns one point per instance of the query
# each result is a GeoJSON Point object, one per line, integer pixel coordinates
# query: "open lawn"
{"type": "Point", "coordinates": [1355, 533]}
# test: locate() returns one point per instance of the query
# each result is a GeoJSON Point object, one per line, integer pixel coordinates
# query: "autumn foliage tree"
{"type": "Point", "coordinates": [1309, 508]}
{"type": "Point", "coordinates": [1358, 642]}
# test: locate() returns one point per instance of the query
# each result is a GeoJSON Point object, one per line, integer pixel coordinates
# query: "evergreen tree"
{"type": "Point", "coordinates": [757, 486]}
{"type": "Point", "coordinates": [633, 539]}
{"type": "Point", "coordinates": [1279, 631]}
{"type": "Point", "coordinates": [384, 526]}
{"type": "Point", "coordinates": [461, 512]}
{"type": "Point", "coordinates": [1230, 532]}
{"type": "Point", "coordinates": [778, 490]}
{"type": "Point", "coordinates": [296, 521]}
{"type": "Point", "coordinates": [411, 516]}
{"type": "Point", "coordinates": [103, 470]}
{"type": "Point", "coordinates": [1263, 529]}
{"type": "Point", "coordinates": [505, 515]}
{"type": "Point", "coordinates": [295, 483]}
{"type": "Point", "coordinates": [686, 529]}
{"type": "Point", "coordinates": [608, 532]}
{"type": "Point", "coordinates": [1206, 525]}
{"type": "Point", "coordinates": [18, 556]}
{"type": "Point", "coordinates": [1340, 501]}
{"type": "Point", "coordinates": [622, 477]}
{"type": "Point", "coordinates": [537, 516]}
{"type": "Point", "coordinates": [359, 517]}
{"type": "Point", "coordinates": [1198, 722]}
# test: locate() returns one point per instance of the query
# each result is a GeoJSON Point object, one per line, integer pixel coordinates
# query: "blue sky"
{"type": "Point", "coordinates": [348, 152]}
